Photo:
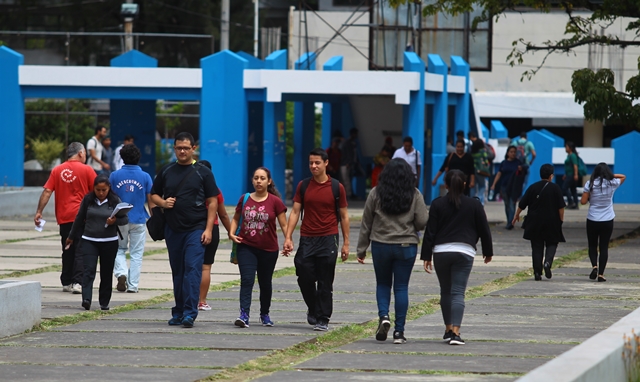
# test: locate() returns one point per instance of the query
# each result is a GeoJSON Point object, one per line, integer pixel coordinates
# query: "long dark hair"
{"type": "Point", "coordinates": [396, 187]}
{"type": "Point", "coordinates": [571, 146]}
{"type": "Point", "coordinates": [271, 188]}
{"type": "Point", "coordinates": [112, 198]}
{"type": "Point", "coordinates": [455, 180]}
{"type": "Point", "coordinates": [506, 154]}
{"type": "Point", "coordinates": [601, 172]}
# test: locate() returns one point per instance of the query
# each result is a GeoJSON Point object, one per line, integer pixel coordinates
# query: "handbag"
{"type": "Point", "coordinates": [157, 220]}
{"type": "Point", "coordinates": [233, 258]}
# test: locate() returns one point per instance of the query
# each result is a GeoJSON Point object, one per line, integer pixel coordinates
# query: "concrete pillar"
{"type": "Point", "coordinates": [11, 119]}
{"type": "Point", "coordinates": [592, 133]}
{"type": "Point", "coordinates": [413, 114]}
{"type": "Point", "coordinates": [440, 123]}
{"type": "Point", "coordinates": [459, 67]}
{"type": "Point", "coordinates": [274, 153]}
{"type": "Point", "coordinates": [329, 109]}
{"type": "Point", "coordinates": [303, 126]}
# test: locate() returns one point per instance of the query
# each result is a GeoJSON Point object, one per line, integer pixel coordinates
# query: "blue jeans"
{"type": "Point", "coordinates": [452, 269]}
{"type": "Point", "coordinates": [509, 207]}
{"type": "Point", "coordinates": [393, 264]}
{"type": "Point", "coordinates": [479, 188]}
{"type": "Point", "coordinates": [569, 190]}
{"type": "Point", "coordinates": [133, 238]}
{"type": "Point", "coordinates": [186, 254]}
{"type": "Point", "coordinates": [252, 261]}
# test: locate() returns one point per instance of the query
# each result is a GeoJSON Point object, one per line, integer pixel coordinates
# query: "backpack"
{"type": "Point", "coordinates": [582, 167]}
{"type": "Point", "coordinates": [520, 151]}
{"type": "Point", "coordinates": [491, 152]}
{"type": "Point", "coordinates": [335, 188]}
{"type": "Point", "coordinates": [481, 163]}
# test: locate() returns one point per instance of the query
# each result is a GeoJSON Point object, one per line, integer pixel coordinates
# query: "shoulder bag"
{"type": "Point", "coordinates": [234, 248]}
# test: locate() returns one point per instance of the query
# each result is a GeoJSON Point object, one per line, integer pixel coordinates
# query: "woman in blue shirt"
{"type": "Point", "coordinates": [508, 168]}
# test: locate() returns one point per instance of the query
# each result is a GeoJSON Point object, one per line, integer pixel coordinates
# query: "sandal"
{"type": "Point", "coordinates": [594, 274]}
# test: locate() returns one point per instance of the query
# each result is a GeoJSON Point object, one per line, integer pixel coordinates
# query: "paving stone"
{"type": "Point", "coordinates": [323, 376]}
{"type": "Point", "coordinates": [493, 300]}
{"type": "Point", "coordinates": [31, 373]}
{"type": "Point", "coordinates": [571, 288]}
{"type": "Point", "coordinates": [126, 357]}
{"type": "Point", "coordinates": [475, 364]}
{"type": "Point", "coordinates": [556, 333]}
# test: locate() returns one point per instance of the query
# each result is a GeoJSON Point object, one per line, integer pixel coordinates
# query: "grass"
{"type": "Point", "coordinates": [16, 274]}
{"type": "Point", "coordinates": [9, 241]}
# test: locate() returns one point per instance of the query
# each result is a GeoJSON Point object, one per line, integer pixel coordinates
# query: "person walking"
{"type": "Point", "coordinates": [133, 186]}
{"type": "Point", "coordinates": [95, 149]}
{"type": "Point", "coordinates": [598, 192]}
{"type": "Point", "coordinates": [335, 157]}
{"type": "Point", "coordinates": [258, 243]}
{"type": "Point", "coordinates": [454, 226]}
{"type": "Point", "coordinates": [525, 149]}
{"type": "Point", "coordinates": [325, 206]}
{"type": "Point", "coordinates": [117, 160]}
{"type": "Point", "coordinates": [350, 162]}
{"type": "Point", "coordinates": [182, 188]}
{"type": "Point", "coordinates": [107, 155]}
{"type": "Point", "coordinates": [509, 168]}
{"type": "Point", "coordinates": [460, 160]}
{"type": "Point", "coordinates": [570, 178]}
{"type": "Point", "coordinates": [379, 162]}
{"type": "Point", "coordinates": [211, 248]}
{"type": "Point", "coordinates": [411, 156]}
{"type": "Point", "coordinates": [98, 232]}
{"type": "Point", "coordinates": [70, 181]}
{"type": "Point", "coordinates": [543, 223]}
{"type": "Point", "coordinates": [393, 214]}
{"type": "Point", "coordinates": [482, 168]}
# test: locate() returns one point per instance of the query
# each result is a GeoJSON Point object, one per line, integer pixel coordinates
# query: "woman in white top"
{"type": "Point", "coordinates": [598, 191]}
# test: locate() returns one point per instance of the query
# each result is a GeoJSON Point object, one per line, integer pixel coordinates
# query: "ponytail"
{"type": "Point", "coordinates": [455, 180]}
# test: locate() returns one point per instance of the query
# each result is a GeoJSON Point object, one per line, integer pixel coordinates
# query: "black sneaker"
{"type": "Point", "coordinates": [537, 276]}
{"type": "Point", "coordinates": [547, 270]}
{"type": "Point", "coordinates": [321, 326]}
{"type": "Point", "coordinates": [594, 274]}
{"type": "Point", "coordinates": [398, 337]}
{"type": "Point", "coordinates": [311, 319]}
{"type": "Point", "coordinates": [383, 328]}
{"type": "Point", "coordinates": [447, 336]}
{"type": "Point", "coordinates": [456, 340]}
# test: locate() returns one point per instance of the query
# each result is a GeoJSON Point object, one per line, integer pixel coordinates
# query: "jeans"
{"type": "Point", "coordinates": [479, 189]}
{"type": "Point", "coordinates": [252, 261]}
{"type": "Point", "coordinates": [186, 254]}
{"type": "Point", "coordinates": [509, 207]}
{"type": "Point", "coordinates": [90, 251]}
{"type": "Point", "coordinates": [393, 264]}
{"type": "Point", "coordinates": [133, 238]}
{"type": "Point", "coordinates": [598, 236]}
{"type": "Point", "coordinates": [72, 266]}
{"type": "Point", "coordinates": [452, 269]}
{"type": "Point", "coordinates": [569, 190]}
{"type": "Point", "coordinates": [538, 252]}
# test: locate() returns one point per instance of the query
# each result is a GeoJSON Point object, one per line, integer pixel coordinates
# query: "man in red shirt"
{"type": "Point", "coordinates": [316, 257]}
{"type": "Point", "coordinates": [71, 181]}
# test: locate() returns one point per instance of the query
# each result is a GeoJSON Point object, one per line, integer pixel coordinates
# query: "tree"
{"type": "Point", "coordinates": [594, 89]}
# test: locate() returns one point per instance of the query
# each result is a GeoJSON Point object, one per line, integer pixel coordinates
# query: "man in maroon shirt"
{"type": "Point", "coordinates": [316, 258]}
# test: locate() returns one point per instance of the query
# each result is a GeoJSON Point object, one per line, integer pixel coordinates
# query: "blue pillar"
{"type": "Point", "coordinates": [11, 119]}
{"type": "Point", "coordinates": [135, 117]}
{"type": "Point", "coordinates": [224, 122]}
{"type": "Point", "coordinates": [413, 114]}
{"type": "Point", "coordinates": [626, 148]}
{"type": "Point", "coordinates": [460, 68]}
{"type": "Point", "coordinates": [255, 149]}
{"type": "Point", "coordinates": [544, 144]}
{"type": "Point", "coordinates": [274, 153]}
{"type": "Point", "coordinates": [440, 124]}
{"type": "Point", "coordinates": [329, 109]}
{"type": "Point", "coordinates": [303, 126]}
{"type": "Point", "coordinates": [498, 130]}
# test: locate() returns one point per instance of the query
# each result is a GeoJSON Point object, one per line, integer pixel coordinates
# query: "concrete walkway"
{"type": "Point", "coordinates": [510, 327]}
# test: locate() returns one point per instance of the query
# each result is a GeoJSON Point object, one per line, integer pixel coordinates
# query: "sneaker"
{"type": "Point", "coordinates": [132, 290]}
{"type": "Point", "coordinates": [537, 276]}
{"type": "Point", "coordinates": [243, 320]}
{"type": "Point", "coordinates": [175, 321]}
{"type": "Point", "coordinates": [398, 338]}
{"type": "Point", "coordinates": [311, 319]}
{"type": "Point", "coordinates": [321, 326]}
{"type": "Point", "coordinates": [456, 340]}
{"type": "Point", "coordinates": [547, 270]}
{"type": "Point", "coordinates": [592, 276]}
{"type": "Point", "coordinates": [266, 320]}
{"type": "Point", "coordinates": [69, 288]}
{"type": "Point", "coordinates": [122, 283]}
{"type": "Point", "coordinates": [187, 322]}
{"type": "Point", "coordinates": [383, 328]}
{"type": "Point", "coordinates": [104, 307]}
{"type": "Point", "coordinates": [203, 306]}
{"type": "Point", "coordinates": [76, 288]}
{"type": "Point", "coordinates": [447, 336]}
{"type": "Point", "coordinates": [86, 304]}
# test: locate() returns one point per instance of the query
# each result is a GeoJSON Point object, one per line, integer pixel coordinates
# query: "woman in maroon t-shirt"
{"type": "Point", "coordinates": [258, 243]}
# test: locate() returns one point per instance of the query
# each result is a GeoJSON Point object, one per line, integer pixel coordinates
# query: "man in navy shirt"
{"type": "Point", "coordinates": [133, 186]}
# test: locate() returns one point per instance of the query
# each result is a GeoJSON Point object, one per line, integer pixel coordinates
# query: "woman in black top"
{"type": "Point", "coordinates": [460, 160]}
{"type": "Point", "coordinates": [99, 238]}
{"type": "Point", "coordinates": [543, 223]}
{"type": "Point", "coordinates": [455, 224]}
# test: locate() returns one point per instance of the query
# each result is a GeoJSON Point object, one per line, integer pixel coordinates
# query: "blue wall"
{"type": "Point", "coordinates": [11, 120]}
{"type": "Point", "coordinates": [626, 163]}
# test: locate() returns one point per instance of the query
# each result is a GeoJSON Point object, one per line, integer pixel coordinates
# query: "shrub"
{"type": "Point", "coordinates": [46, 151]}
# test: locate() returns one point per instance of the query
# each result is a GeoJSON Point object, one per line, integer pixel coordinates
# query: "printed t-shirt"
{"type": "Point", "coordinates": [259, 222]}
{"type": "Point", "coordinates": [132, 185]}
{"type": "Point", "coordinates": [70, 181]}
{"type": "Point", "coordinates": [319, 215]}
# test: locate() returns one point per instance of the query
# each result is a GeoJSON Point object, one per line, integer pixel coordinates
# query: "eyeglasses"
{"type": "Point", "coordinates": [185, 149]}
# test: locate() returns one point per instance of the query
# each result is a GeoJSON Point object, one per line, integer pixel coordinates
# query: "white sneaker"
{"type": "Point", "coordinates": [67, 288]}
{"type": "Point", "coordinates": [76, 288]}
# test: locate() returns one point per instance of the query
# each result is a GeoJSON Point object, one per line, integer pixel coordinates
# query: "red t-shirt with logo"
{"type": "Point", "coordinates": [70, 181]}
{"type": "Point", "coordinates": [319, 215]}
{"type": "Point", "coordinates": [259, 222]}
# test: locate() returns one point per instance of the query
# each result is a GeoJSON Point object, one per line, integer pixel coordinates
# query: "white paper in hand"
{"type": "Point", "coordinates": [39, 228]}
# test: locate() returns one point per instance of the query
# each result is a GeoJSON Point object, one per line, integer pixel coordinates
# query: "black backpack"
{"type": "Point", "coordinates": [335, 188]}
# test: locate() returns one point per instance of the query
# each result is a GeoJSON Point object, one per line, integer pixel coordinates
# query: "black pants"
{"type": "Point", "coordinates": [315, 264]}
{"type": "Point", "coordinates": [90, 251]}
{"type": "Point", "coordinates": [72, 268]}
{"type": "Point", "coordinates": [252, 261]}
{"type": "Point", "coordinates": [538, 253]}
{"type": "Point", "coordinates": [599, 235]}
{"type": "Point", "coordinates": [453, 270]}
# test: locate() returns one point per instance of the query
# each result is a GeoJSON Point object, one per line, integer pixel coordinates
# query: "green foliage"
{"type": "Point", "coordinates": [289, 133]}
{"type": "Point", "coordinates": [171, 124]}
{"type": "Point", "coordinates": [163, 155]}
{"type": "Point", "coordinates": [46, 151]}
{"type": "Point", "coordinates": [601, 100]}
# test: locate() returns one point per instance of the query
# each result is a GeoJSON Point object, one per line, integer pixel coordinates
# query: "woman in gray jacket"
{"type": "Point", "coordinates": [393, 214]}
